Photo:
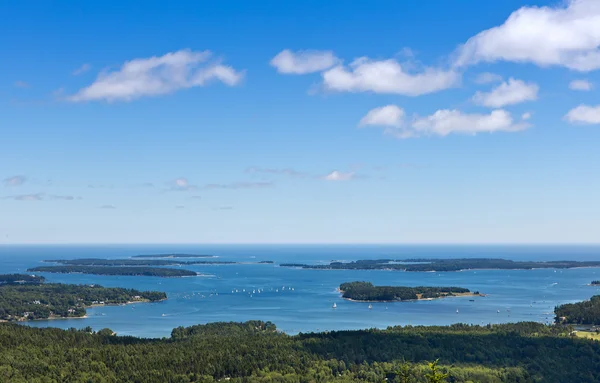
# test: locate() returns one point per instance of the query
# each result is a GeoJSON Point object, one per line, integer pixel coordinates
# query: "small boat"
{"type": "Point", "coordinates": [370, 306]}
{"type": "Point", "coordinates": [471, 300]}
{"type": "Point", "coordinates": [334, 306]}
{"type": "Point", "coordinates": [164, 315]}
{"type": "Point", "coordinates": [457, 311]}
{"type": "Point", "coordinates": [498, 311]}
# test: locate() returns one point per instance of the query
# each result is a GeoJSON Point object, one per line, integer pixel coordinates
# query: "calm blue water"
{"type": "Point", "coordinates": [520, 295]}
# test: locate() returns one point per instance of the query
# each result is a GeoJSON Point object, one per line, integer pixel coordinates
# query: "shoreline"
{"type": "Point", "coordinates": [454, 295]}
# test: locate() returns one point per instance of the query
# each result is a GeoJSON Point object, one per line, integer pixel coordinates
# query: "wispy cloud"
{"type": "Point", "coordinates": [276, 171]}
{"type": "Point", "coordinates": [582, 85]}
{"type": "Point", "coordinates": [64, 197]}
{"type": "Point", "coordinates": [389, 115]}
{"type": "Point", "coordinates": [302, 62]}
{"type": "Point", "coordinates": [181, 184]}
{"type": "Point", "coordinates": [107, 207]}
{"type": "Point", "coordinates": [337, 175]}
{"type": "Point", "coordinates": [179, 207]}
{"type": "Point", "coordinates": [487, 78]}
{"type": "Point", "coordinates": [82, 69]}
{"type": "Point", "coordinates": [240, 185]}
{"type": "Point", "coordinates": [508, 93]}
{"type": "Point", "coordinates": [196, 197]}
{"type": "Point", "coordinates": [26, 197]}
{"type": "Point", "coordinates": [223, 208]}
{"type": "Point", "coordinates": [14, 181]}
{"type": "Point", "coordinates": [158, 75]}
{"type": "Point", "coordinates": [22, 84]}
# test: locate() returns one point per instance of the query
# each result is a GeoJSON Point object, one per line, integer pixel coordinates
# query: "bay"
{"type": "Point", "coordinates": [301, 300]}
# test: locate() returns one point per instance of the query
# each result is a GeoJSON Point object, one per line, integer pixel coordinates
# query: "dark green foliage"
{"type": "Point", "coordinates": [595, 283]}
{"type": "Point", "coordinates": [175, 255]}
{"type": "Point", "coordinates": [256, 352]}
{"type": "Point", "coordinates": [433, 264]}
{"type": "Point", "coordinates": [59, 300]}
{"type": "Point", "coordinates": [134, 262]}
{"type": "Point", "coordinates": [107, 270]}
{"type": "Point", "coordinates": [586, 312]}
{"type": "Point", "coordinates": [365, 291]}
{"type": "Point", "coordinates": [20, 279]}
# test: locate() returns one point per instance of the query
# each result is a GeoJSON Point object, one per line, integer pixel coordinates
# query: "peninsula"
{"type": "Point", "coordinates": [55, 300]}
{"type": "Point", "coordinates": [20, 279]}
{"type": "Point", "coordinates": [367, 292]}
{"type": "Point", "coordinates": [439, 265]}
{"type": "Point", "coordinates": [585, 313]}
{"type": "Point", "coordinates": [108, 270]}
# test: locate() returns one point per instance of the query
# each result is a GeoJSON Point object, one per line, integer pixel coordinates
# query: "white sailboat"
{"type": "Point", "coordinates": [370, 306]}
{"type": "Point", "coordinates": [334, 306]}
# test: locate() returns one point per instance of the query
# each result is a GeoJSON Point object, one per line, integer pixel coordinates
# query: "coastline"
{"type": "Point", "coordinates": [454, 295]}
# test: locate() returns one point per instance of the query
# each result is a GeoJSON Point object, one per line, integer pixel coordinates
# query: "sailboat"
{"type": "Point", "coordinates": [457, 311]}
{"type": "Point", "coordinates": [370, 306]}
{"type": "Point", "coordinates": [334, 306]}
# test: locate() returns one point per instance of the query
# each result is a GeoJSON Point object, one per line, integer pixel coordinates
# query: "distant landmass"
{"type": "Point", "coordinates": [55, 300]}
{"type": "Point", "coordinates": [367, 292]}
{"type": "Point", "coordinates": [20, 279]}
{"type": "Point", "coordinates": [595, 283]}
{"type": "Point", "coordinates": [174, 255]}
{"type": "Point", "coordinates": [133, 262]}
{"type": "Point", "coordinates": [586, 312]}
{"type": "Point", "coordinates": [108, 270]}
{"type": "Point", "coordinates": [439, 265]}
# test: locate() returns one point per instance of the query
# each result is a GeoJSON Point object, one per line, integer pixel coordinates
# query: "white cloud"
{"type": "Point", "coordinates": [487, 78]}
{"type": "Point", "coordinates": [583, 85]}
{"type": "Point", "coordinates": [108, 207]}
{"type": "Point", "coordinates": [387, 76]}
{"type": "Point", "coordinates": [82, 69]}
{"type": "Point", "coordinates": [181, 184]}
{"type": "Point", "coordinates": [444, 122]}
{"type": "Point", "coordinates": [526, 116]}
{"type": "Point", "coordinates": [157, 75]}
{"type": "Point", "coordinates": [14, 181]}
{"type": "Point", "coordinates": [302, 62]}
{"type": "Point", "coordinates": [507, 93]}
{"type": "Point", "coordinates": [338, 176]}
{"type": "Point", "coordinates": [566, 35]}
{"type": "Point", "coordinates": [389, 115]}
{"type": "Point", "coordinates": [584, 114]}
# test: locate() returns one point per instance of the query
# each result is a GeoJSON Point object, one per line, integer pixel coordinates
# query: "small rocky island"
{"type": "Point", "coordinates": [367, 292]}
{"type": "Point", "coordinates": [28, 298]}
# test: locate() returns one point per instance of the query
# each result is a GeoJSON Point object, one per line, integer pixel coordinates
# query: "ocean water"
{"type": "Point", "coordinates": [300, 300]}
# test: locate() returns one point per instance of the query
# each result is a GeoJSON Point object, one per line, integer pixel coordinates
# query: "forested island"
{"type": "Point", "coordinates": [20, 279]}
{"type": "Point", "coordinates": [55, 300]}
{"type": "Point", "coordinates": [108, 270]}
{"type": "Point", "coordinates": [435, 264]}
{"type": "Point", "coordinates": [366, 291]}
{"type": "Point", "coordinates": [133, 262]}
{"type": "Point", "coordinates": [254, 352]}
{"type": "Point", "coordinates": [586, 312]}
{"type": "Point", "coordinates": [595, 283]}
{"type": "Point", "coordinates": [173, 256]}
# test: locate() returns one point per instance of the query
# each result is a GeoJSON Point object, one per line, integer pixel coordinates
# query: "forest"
{"type": "Point", "coordinates": [108, 270]}
{"type": "Point", "coordinates": [595, 283]}
{"type": "Point", "coordinates": [434, 264]}
{"type": "Point", "coordinates": [55, 300]}
{"type": "Point", "coordinates": [133, 262]}
{"type": "Point", "coordinates": [175, 255]}
{"type": "Point", "coordinates": [20, 279]}
{"type": "Point", "coordinates": [586, 312]}
{"type": "Point", "coordinates": [366, 291]}
{"type": "Point", "coordinates": [255, 352]}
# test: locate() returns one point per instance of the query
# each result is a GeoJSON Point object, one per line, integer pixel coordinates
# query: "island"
{"type": "Point", "coordinates": [440, 265]}
{"type": "Point", "coordinates": [133, 262]}
{"type": "Point", "coordinates": [20, 279]}
{"type": "Point", "coordinates": [56, 300]}
{"type": "Point", "coordinates": [174, 255]}
{"type": "Point", "coordinates": [595, 283]}
{"type": "Point", "coordinates": [107, 270]}
{"type": "Point", "coordinates": [367, 292]}
{"type": "Point", "coordinates": [583, 313]}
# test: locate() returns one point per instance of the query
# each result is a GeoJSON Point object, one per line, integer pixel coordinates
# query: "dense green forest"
{"type": "Point", "coordinates": [20, 279]}
{"type": "Point", "coordinates": [54, 300]}
{"type": "Point", "coordinates": [433, 264]}
{"type": "Point", "coordinates": [255, 352]}
{"type": "Point", "coordinates": [366, 291]}
{"type": "Point", "coordinates": [586, 312]}
{"type": "Point", "coordinates": [108, 270]}
{"type": "Point", "coordinates": [175, 255]}
{"type": "Point", "coordinates": [134, 262]}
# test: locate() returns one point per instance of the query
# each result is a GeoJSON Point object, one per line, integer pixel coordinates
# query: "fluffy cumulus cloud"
{"type": "Point", "coordinates": [389, 115]}
{"type": "Point", "coordinates": [303, 62]}
{"type": "Point", "coordinates": [507, 93]}
{"type": "Point", "coordinates": [158, 75]}
{"type": "Point", "coordinates": [444, 122]}
{"type": "Point", "coordinates": [387, 76]}
{"type": "Point", "coordinates": [337, 175]}
{"type": "Point", "coordinates": [583, 85]}
{"type": "Point", "coordinates": [14, 181]}
{"type": "Point", "coordinates": [567, 35]}
{"type": "Point", "coordinates": [584, 114]}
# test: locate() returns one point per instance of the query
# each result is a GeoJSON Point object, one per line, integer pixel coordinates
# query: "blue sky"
{"type": "Point", "coordinates": [300, 122]}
